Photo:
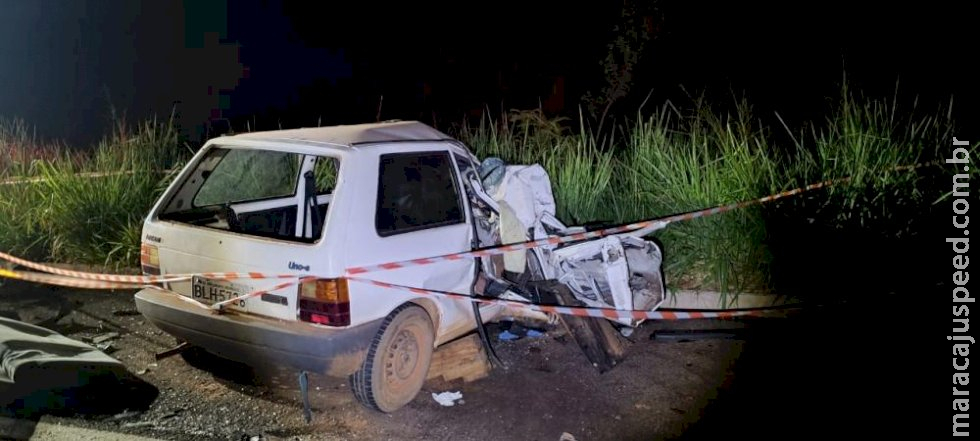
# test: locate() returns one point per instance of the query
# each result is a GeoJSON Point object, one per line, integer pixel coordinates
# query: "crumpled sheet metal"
{"type": "Point", "coordinates": [621, 271]}
{"type": "Point", "coordinates": [613, 272]}
{"type": "Point", "coordinates": [35, 358]}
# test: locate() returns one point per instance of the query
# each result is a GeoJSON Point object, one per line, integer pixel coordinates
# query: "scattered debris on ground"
{"type": "Point", "coordinates": [197, 396]}
{"type": "Point", "coordinates": [447, 399]}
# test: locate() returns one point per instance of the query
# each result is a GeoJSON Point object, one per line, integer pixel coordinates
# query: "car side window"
{"type": "Point", "coordinates": [416, 191]}
{"type": "Point", "coordinates": [325, 172]}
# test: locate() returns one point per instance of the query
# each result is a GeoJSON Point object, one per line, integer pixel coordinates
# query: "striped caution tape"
{"type": "Point", "coordinates": [659, 223]}
{"type": "Point", "coordinates": [70, 282]}
{"type": "Point", "coordinates": [608, 313]}
{"type": "Point", "coordinates": [555, 240]}
{"type": "Point", "coordinates": [122, 278]}
{"type": "Point", "coordinates": [20, 180]}
{"type": "Point", "coordinates": [110, 282]}
{"type": "Point", "coordinates": [81, 279]}
{"type": "Point", "coordinates": [218, 307]}
{"type": "Point", "coordinates": [489, 251]}
{"type": "Point", "coordinates": [303, 279]}
{"type": "Point", "coordinates": [184, 298]}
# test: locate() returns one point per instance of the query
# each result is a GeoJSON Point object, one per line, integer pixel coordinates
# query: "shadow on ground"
{"type": "Point", "coordinates": [827, 373]}
{"type": "Point", "coordinates": [225, 371]}
{"type": "Point", "coordinates": [82, 393]}
{"type": "Point", "coordinates": [97, 391]}
{"type": "Point", "coordinates": [851, 364]}
{"type": "Point", "coordinates": [43, 372]}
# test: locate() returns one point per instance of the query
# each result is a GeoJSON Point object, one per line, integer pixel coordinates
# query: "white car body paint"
{"type": "Point", "coordinates": [349, 237]}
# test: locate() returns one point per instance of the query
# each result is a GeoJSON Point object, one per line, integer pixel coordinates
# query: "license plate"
{"type": "Point", "coordinates": [213, 291]}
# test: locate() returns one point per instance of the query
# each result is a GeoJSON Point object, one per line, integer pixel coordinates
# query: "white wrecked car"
{"type": "Point", "coordinates": [318, 201]}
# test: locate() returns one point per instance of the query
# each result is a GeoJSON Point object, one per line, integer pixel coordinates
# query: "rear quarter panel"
{"type": "Point", "coordinates": [366, 247]}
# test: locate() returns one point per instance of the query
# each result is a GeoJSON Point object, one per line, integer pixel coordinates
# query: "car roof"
{"type": "Point", "coordinates": [354, 134]}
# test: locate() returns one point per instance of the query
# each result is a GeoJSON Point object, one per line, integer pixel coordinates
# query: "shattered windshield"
{"type": "Point", "coordinates": [253, 191]}
{"type": "Point", "coordinates": [247, 175]}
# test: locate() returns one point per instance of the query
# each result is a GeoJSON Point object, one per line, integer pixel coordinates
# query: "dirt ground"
{"type": "Point", "coordinates": [776, 378]}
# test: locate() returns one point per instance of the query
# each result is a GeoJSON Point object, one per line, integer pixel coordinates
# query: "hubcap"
{"type": "Point", "coordinates": [402, 357]}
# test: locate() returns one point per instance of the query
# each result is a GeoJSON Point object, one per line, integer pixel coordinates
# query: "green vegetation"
{"type": "Point", "coordinates": [679, 160]}
{"type": "Point", "coordinates": [672, 160]}
{"type": "Point", "coordinates": [84, 208]}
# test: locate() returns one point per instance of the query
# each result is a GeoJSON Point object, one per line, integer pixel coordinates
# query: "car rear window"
{"type": "Point", "coordinates": [282, 195]}
{"type": "Point", "coordinates": [248, 175]}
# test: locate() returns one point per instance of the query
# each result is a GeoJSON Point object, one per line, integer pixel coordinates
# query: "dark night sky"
{"type": "Point", "coordinates": [61, 62]}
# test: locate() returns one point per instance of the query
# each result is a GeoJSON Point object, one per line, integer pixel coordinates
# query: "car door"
{"type": "Point", "coordinates": [418, 212]}
{"type": "Point", "coordinates": [482, 216]}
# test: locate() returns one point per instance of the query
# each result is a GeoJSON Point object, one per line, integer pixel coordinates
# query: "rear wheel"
{"type": "Point", "coordinates": [397, 361]}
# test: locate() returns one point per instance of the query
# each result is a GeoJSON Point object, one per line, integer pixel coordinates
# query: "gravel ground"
{"type": "Point", "coordinates": [772, 381]}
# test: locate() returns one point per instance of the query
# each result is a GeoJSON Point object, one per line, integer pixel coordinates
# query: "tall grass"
{"type": "Point", "coordinates": [582, 176]}
{"type": "Point", "coordinates": [21, 150]}
{"type": "Point", "coordinates": [681, 163]}
{"type": "Point", "coordinates": [68, 216]}
{"type": "Point", "coordinates": [676, 160]}
{"type": "Point", "coordinates": [581, 170]}
{"type": "Point", "coordinates": [520, 137]}
{"type": "Point", "coordinates": [672, 160]}
{"type": "Point", "coordinates": [863, 140]}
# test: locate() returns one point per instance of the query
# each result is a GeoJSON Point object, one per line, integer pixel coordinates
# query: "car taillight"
{"type": "Point", "coordinates": [325, 302]}
{"type": "Point", "coordinates": [150, 259]}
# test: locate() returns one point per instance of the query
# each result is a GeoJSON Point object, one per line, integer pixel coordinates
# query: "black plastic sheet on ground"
{"type": "Point", "coordinates": [42, 371]}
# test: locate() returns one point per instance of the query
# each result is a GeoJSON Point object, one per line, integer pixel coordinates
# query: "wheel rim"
{"type": "Point", "coordinates": [401, 362]}
{"type": "Point", "coordinates": [402, 357]}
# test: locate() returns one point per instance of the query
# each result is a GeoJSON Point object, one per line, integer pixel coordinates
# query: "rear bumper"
{"type": "Point", "coordinates": [258, 340]}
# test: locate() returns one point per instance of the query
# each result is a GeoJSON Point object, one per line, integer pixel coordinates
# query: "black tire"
{"type": "Point", "coordinates": [598, 339]}
{"type": "Point", "coordinates": [397, 362]}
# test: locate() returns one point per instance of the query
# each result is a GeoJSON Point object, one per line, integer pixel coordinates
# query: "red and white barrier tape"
{"type": "Point", "coordinates": [489, 251]}
{"type": "Point", "coordinates": [18, 180]}
{"type": "Point", "coordinates": [566, 310]}
{"type": "Point", "coordinates": [304, 279]}
{"type": "Point", "coordinates": [579, 311]}
{"type": "Point", "coordinates": [122, 278]}
{"type": "Point", "coordinates": [70, 282]}
{"type": "Point", "coordinates": [555, 240]}
{"type": "Point", "coordinates": [81, 279]}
